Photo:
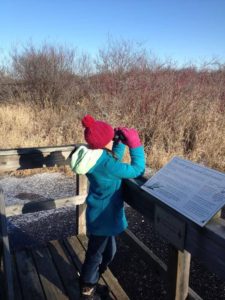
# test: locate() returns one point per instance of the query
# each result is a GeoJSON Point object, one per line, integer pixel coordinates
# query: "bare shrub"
{"type": "Point", "coordinates": [120, 56]}
{"type": "Point", "coordinates": [6, 85]}
{"type": "Point", "coordinates": [115, 61]}
{"type": "Point", "coordinates": [84, 65]}
{"type": "Point", "coordinates": [45, 74]}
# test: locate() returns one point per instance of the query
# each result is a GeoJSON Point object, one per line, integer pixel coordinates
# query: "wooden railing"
{"type": "Point", "coordinates": [29, 158]}
{"type": "Point", "coordinates": [5, 259]}
{"type": "Point", "coordinates": [206, 244]}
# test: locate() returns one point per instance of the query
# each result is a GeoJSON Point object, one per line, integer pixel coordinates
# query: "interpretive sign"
{"type": "Point", "coordinates": [195, 191]}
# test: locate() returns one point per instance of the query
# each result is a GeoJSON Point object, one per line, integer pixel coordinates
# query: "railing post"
{"type": "Point", "coordinates": [178, 274]}
{"type": "Point", "coordinates": [81, 187]}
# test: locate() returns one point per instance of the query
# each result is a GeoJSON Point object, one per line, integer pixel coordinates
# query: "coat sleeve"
{"type": "Point", "coordinates": [125, 170]}
{"type": "Point", "coordinates": [118, 149]}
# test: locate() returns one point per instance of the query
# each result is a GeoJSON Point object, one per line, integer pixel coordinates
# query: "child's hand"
{"type": "Point", "coordinates": [132, 139]}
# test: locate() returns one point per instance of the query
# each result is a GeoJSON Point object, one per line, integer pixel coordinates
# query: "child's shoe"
{"type": "Point", "coordinates": [89, 293]}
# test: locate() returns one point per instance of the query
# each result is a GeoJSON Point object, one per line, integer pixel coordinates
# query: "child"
{"type": "Point", "coordinates": [105, 216]}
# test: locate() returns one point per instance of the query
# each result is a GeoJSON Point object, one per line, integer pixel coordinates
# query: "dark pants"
{"type": "Point", "coordinates": [100, 252]}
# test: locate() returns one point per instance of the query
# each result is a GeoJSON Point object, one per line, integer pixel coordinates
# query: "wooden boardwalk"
{"type": "Point", "coordinates": [52, 272]}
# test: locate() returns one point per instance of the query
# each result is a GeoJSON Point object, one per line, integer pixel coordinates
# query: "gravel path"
{"type": "Point", "coordinates": [133, 273]}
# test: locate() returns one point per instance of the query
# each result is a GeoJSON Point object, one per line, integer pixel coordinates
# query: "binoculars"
{"type": "Point", "coordinates": [118, 136]}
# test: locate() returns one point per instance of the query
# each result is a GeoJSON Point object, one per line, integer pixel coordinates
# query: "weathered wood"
{"type": "Point", "coordinates": [207, 244]}
{"type": "Point", "coordinates": [31, 150]}
{"type": "Point", "coordinates": [178, 274]}
{"type": "Point", "coordinates": [183, 274]}
{"type": "Point", "coordinates": [192, 295]}
{"type": "Point", "coordinates": [169, 227]}
{"type": "Point", "coordinates": [157, 265]}
{"type": "Point", "coordinates": [77, 252]}
{"type": "Point", "coordinates": [172, 273]}
{"type": "Point", "coordinates": [16, 283]}
{"type": "Point", "coordinates": [2, 281]}
{"type": "Point", "coordinates": [18, 209]}
{"type": "Point", "coordinates": [30, 283]}
{"type": "Point", "coordinates": [81, 186]}
{"type": "Point", "coordinates": [48, 274]}
{"type": "Point", "coordinates": [218, 214]}
{"type": "Point", "coordinates": [108, 277]}
{"type": "Point", "coordinates": [29, 158]}
{"type": "Point", "coordinates": [76, 244]}
{"type": "Point", "coordinates": [65, 267]}
{"type": "Point", "coordinates": [7, 264]}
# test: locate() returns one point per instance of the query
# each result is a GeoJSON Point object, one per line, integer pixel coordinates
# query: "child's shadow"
{"type": "Point", "coordinates": [37, 202]}
{"type": "Point", "coordinates": [34, 158]}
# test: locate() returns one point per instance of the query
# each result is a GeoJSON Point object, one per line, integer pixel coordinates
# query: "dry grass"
{"type": "Point", "coordinates": [28, 126]}
{"type": "Point", "coordinates": [193, 135]}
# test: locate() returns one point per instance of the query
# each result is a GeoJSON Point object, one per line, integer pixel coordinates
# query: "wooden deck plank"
{"type": "Point", "coordinates": [108, 277]}
{"type": "Point", "coordinates": [2, 288]}
{"type": "Point", "coordinates": [16, 284]}
{"type": "Point", "coordinates": [52, 272]}
{"type": "Point", "coordinates": [77, 254]}
{"type": "Point", "coordinates": [65, 268]}
{"type": "Point", "coordinates": [79, 245]}
{"type": "Point", "coordinates": [30, 283]}
{"type": "Point", "coordinates": [48, 274]}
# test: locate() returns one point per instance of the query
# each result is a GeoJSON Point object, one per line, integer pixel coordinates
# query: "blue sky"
{"type": "Point", "coordinates": [183, 30]}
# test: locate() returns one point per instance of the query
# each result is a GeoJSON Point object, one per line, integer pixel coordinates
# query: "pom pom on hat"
{"type": "Point", "coordinates": [87, 121]}
{"type": "Point", "coordinates": [97, 133]}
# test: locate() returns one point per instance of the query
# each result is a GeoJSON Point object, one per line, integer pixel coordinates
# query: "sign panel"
{"type": "Point", "coordinates": [193, 190]}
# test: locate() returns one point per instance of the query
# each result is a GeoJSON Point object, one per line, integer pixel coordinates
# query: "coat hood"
{"type": "Point", "coordinates": [83, 159]}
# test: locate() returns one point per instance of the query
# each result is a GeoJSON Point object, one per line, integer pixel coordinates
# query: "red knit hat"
{"type": "Point", "coordinates": [97, 133]}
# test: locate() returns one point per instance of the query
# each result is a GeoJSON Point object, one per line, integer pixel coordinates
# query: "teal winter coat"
{"type": "Point", "coordinates": [105, 215]}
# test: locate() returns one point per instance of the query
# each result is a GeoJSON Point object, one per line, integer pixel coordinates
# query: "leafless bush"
{"type": "Point", "coordinates": [84, 65]}
{"type": "Point", "coordinates": [121, 56]}
{"type": "Point", "coordinates": [45, 73]}
{"type": "Point", "coordinates": [6, 85]}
